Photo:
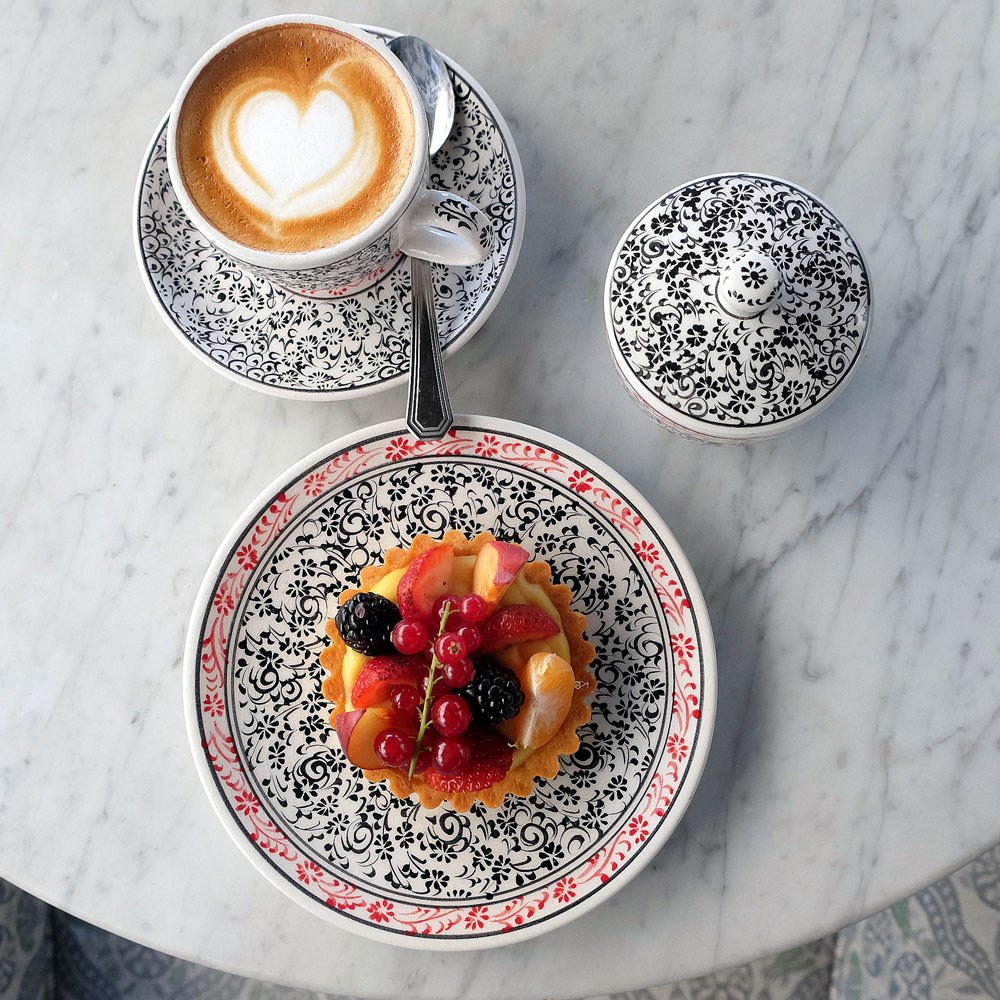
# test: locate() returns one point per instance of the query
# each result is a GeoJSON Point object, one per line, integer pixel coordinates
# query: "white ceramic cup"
{"type": "Point", "coordinates": [422, 222]}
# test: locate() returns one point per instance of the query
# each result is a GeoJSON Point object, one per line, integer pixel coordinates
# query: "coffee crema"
{"type": "Point", "coordinates": [295, 137]}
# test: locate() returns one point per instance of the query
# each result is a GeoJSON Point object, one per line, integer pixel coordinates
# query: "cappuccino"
{"type": "Point", "coordinates": [295, 137]}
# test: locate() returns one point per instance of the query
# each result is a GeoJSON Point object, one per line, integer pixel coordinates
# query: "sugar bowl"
{"type": "Point", "coordinates": [737, 307]}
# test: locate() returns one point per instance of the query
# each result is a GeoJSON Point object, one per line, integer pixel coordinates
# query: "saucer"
{"type": "Point", "coordinates": [347, 849]}
{"type": "Point", "coordinates": [356, 342]}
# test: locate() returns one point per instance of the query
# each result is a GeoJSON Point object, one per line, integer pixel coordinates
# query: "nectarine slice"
{"type": "Point", "coordinates": [357, 732]}
{"type": "Point", "coordinates": [496, 568]}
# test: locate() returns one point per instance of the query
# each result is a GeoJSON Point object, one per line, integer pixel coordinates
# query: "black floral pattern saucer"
{"type": "Point", "coordinates": [348, 341]}
{"type": "Point", "coordinates": [347, 849]}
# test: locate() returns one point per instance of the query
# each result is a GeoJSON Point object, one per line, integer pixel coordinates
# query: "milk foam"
{"type": "Point", "coordinates": [290, 161]}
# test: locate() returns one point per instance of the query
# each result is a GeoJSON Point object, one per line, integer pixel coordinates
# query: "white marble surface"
{"type": "Point", "coordinates": [851, 567]}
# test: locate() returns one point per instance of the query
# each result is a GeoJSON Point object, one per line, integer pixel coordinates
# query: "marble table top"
{"type": "Point", "coordinates": [850, 567]}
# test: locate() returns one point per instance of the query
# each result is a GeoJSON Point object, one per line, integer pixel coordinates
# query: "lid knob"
{"type": "Point", "coordinates": [748, 283]}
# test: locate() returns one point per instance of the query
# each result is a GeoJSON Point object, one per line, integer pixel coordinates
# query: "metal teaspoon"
{"type": "Point", "coordinates": [428, 407]}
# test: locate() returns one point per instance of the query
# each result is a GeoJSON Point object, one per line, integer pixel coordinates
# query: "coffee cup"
{"type": "Point", "coordinates": [298, 146]}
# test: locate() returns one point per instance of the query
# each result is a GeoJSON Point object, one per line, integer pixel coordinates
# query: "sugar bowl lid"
{"type": "Point", "coordinates": [737, 307]}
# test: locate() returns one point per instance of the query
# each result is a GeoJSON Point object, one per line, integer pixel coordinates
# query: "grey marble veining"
{"type": "Point", "coordinates": [851, 567]}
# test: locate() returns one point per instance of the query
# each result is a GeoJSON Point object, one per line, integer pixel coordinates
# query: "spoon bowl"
{"type": "Point", "coordinates": [430, 74]}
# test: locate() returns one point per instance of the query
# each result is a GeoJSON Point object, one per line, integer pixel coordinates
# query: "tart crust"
{"type": "Point", "coordinates": [543, 762]}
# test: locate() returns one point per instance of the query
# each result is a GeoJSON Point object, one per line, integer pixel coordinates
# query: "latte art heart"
{"type": "Point", "coordinates": [290, 162]}
{"type": "Point", "coordinates": [286, 151]}
{"type": "Point", "coordinates": [295, 137]}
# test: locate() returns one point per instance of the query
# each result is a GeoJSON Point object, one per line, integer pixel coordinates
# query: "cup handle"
{"type": "Point", "coordinates": [445, 229]}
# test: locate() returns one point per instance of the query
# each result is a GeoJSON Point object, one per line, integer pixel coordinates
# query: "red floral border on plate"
{"type": "Point", "coordinates": [456, 920]}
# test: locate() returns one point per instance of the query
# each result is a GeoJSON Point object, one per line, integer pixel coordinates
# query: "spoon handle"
{"type": "Point", "coordinates": [428, 407]}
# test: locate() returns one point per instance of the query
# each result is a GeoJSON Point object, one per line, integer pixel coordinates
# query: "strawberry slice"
{"type": "Point", "coordinates": [425, 580]}
{"type": "Point", "coordinates": [381, 674]}
{"type": "Point", "coordinates": [516, 623]}
{"type": "Point", "coordinates": [492, 757]}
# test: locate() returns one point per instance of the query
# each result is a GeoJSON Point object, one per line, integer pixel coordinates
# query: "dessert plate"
{"type": "Point", "coordinates": [349, 341]}
{"type": "Point", "coordinates": [346, 848]}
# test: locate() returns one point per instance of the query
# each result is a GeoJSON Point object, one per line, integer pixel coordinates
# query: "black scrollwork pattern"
{"type": "Point", "coordinates": [459, 213]}
{"type": "Point", "coordinates": [347, 824]}
{"type": "Point", "coordinates": [350, 340]}
{"type": "Point", "coordinates": [697, 360]}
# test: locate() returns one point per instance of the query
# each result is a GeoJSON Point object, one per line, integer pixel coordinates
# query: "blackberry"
{"type": "Point", "coordinates": [365, 622]}
{"type": "Point", "coordinates": [494, 694]}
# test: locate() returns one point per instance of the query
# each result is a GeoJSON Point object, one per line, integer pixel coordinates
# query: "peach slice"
{"type": "Point", "coordinates": [425, 580]}
{"type": "Point", "coordinates": [357, 732]}
{"type": "Point", "coordinates": [496, 568]}
{"type": "Point", "coordinates": [548, 683]}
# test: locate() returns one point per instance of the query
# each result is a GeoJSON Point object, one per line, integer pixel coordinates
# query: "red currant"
{"type": "Point", "coordinates": [394, 747]}
{"type": "Point", "coordinates": [451, 715]}
{"type": "Point", "coordinates": [471, 636]}
{"type": "Point", "coordinates": [440, 603]}
{"type": "Point", "coordinates": [409, 636]}
{"type": "Point", "coordinates": [473, 608]}
{"type": "Point", "coordinates": [405, 699]}
{"type": "Point", "coordinates": [451, 755]}
{"type": "Point", "coordinates": [440, 685]}
{"type": "Point", "coordinates": [458, 674]}
{"type": "Point", "coordinates": [449, 647]}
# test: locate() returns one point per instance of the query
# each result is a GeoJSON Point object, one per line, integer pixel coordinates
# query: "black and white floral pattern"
{"type": "Point", "coordinates": [689, 359]}
{"type": "Point", "coordinates": [339, 278]}
{"type": "Point", "coordinates": [357, 341]}
{"type": "Point", "coordinates": [328, 807]}
{"type": "Point", "coordinates": [312, 822]}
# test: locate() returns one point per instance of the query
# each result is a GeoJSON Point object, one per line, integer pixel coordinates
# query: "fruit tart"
{"type": "Point", "coordinates": [458, 671]}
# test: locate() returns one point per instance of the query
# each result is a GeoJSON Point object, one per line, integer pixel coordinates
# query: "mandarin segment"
{"type": "Point", "coordinates": [548, 683]}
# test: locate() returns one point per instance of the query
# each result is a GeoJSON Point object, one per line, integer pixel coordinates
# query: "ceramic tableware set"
{"type": "Point", "coordinates": [737, 306]}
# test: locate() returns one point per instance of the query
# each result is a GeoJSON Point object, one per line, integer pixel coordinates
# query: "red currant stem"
{"type": "Point", "coordinates": [425, 712]}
